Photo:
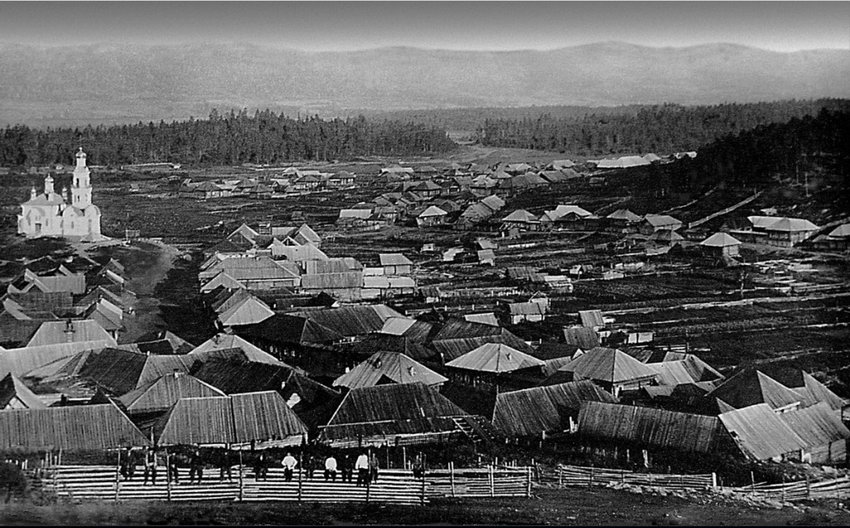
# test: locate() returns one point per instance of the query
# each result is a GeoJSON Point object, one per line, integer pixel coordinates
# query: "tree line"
{"type": "Point", "coordinates": [224, 139]}
{"type": "Point", "coordinates": [759, 157]}
{"type": "Point", "coordinates": [660, 129]}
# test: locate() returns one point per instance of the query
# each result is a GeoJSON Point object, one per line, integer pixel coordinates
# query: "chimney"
{"type": "Point", "coordinates": [33, 193]}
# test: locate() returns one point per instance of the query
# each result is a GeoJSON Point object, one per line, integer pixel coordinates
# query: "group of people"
{"type": "Point", "coordinates": [152, 459]}
{"type": "Point", "coordinates": [365, 465]}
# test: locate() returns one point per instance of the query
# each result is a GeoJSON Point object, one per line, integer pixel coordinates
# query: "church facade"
{"type": "Point", "coordinates": [69, 214]}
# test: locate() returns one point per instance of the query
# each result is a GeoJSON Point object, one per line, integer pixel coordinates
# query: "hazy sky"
{"type": "Point", "coordinates": [781, 26]}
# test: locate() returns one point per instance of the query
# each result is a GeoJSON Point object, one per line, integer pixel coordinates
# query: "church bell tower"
{"type": "Point", "coordinates": [81, 186]}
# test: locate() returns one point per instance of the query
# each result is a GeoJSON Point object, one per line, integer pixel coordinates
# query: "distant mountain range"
{"type": "Point", "coordinates": [128, 83]}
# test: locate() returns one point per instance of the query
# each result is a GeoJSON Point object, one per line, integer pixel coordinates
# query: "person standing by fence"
{"type": "Point", "coordinates": [225, 465]}
{"type": "Point", "coordinates": [346, 468]}
{"type": "Point", "coordinates": [289, 464]}
{"type": "Point", "coordinates": [309, 467]}
{"type": "Point", "coordinates": [150, 467]}
{"type": "Point", "coordinates": [373, 467]}
{"type": "Point", "coordinates": [261, 467]}
{"type": "Point", "coordinates": [196, 466]}
{"type": "Point", "coordinates": [418, 467]}
{"type": "Point", "coordinates": [126, 462]}
{"type": "Point", "coordinates": [330, 469]}
{"type": "Point", "coordinates": [172, 471]}
{"type": "Point", "coordinates": [361, 466]}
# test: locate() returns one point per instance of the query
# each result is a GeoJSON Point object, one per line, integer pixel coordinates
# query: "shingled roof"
{"type": "Point", "coordinates": [163, 392]}
{"type": "Point", "coordinates": [750, 387]}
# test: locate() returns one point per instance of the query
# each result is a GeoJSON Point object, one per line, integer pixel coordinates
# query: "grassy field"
{"type": "Point", "coordinates": [568, 507]}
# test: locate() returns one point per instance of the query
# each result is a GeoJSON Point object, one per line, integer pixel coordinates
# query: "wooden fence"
{"type": "Point", "coordinates": [88, 482]}
{"type": "Point", "coordinates": [837, 489]}
{"type": "Point", "coordinates": [563, 476]}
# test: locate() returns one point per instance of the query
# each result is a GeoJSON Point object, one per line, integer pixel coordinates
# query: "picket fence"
{"type": "Point", "coordinates": [563, 475]}
{"type": "Point", "coordinates": [88, 482]}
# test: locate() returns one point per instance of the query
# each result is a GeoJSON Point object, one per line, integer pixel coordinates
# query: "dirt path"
{"type": "Point", "coordinates": [147, 263]}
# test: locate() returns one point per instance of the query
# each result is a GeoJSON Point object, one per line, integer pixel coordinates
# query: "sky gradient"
{"type": "Point", "coordinates": [326, 26]}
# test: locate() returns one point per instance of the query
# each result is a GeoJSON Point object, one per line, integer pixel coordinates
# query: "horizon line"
{"type": "Point", "coordinates": [206, 42]}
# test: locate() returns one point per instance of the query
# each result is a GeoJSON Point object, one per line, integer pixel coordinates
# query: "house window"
{"type": "Point", "coordinates": [38, 227]}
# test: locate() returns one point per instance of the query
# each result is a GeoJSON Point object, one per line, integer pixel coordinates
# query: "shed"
{"type": "Point", "coordinates": [721, 244]}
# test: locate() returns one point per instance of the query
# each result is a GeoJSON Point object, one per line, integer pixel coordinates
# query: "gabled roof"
{"type": "Point", "coordinates": [245, 231]}
{"type": "Point", "coordinates": [120, 371]}
{"type": "Point", "coordinates": [493, 202]}
{"type": "Point", "coordinates": [66, 331]}
{"type": "Point", "coordinates": [791, 225]}
{"type": "Point", "coordinates": [650, 427]}
{"type": "Point", "coordinates": [817, 425]}
{"type": "Point", "coordinates": [520, 215]}
{"type": "Point", "coordinates": [760, 433]}
{"type": "Point", "coordinates": [239, 418]}
{"type": "Point", "coordinates": [582, 337]}
{"type": "Point", "coordinates": [529, 412]}
{"type": "Point", "coordinates": [496, 358]}
{"type": "Point", "coordinates": [160, 394]}
{"type": "Point", "coordinates": [804, 384]}
{"type": "Point", "coordinates": [394, 402]}
{"type": "Point", "coordinates": [71, 428]}
{"type": "Point", "coordinates": [608, 365]}
{"type": "Point", "coordinates": [656, 220]}
{"type": "Point", "coordinates": [720, 240]}
{"type": "Point", "coordinates": [684, 371]}
{"type": "Point", "coordinates": [750, 387]}
{"type": "Point", "coordinates": [291, 329]}
{"type": "Point", "coordinates": [12, 388]}
{"type": "Point", "coordinates": [352, 321]}
{"type": "Point", "coordinates": [248, 311]}
{"type": "Point", "coordinates": [432, 210]}
{"type": "Point", "coordinates": [563, 210]}
{"type": "Point", "coordinates": [666, 236]}
{"type": "Point", "coordinates": [624, 214]}
{"type": "Point", "coordinates": [388, 367]}
{"type": "Point", "coordinates": [842, 231]}
{"type": "Point", "coordinates": [222, 341]}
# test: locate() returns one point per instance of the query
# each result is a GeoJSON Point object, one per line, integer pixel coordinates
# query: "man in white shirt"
{"type": "Point", "coordinates": [330, 468]}
{"type": "Point", "coordinates": [362, 468]}
{"type": "Point", "coordinates": [289, 464]}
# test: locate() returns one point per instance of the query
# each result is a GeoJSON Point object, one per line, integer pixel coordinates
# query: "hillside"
{"type": "Point", "coordinates": [128, 83]}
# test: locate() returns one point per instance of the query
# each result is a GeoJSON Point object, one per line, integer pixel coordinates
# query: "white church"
{"type": "Point", "coordinates": [69, 215]}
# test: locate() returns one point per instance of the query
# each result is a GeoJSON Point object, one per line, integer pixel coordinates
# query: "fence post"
{"type": "Point", "coordinates": [808, 488]}
{"type": "Point", "coordinates": [622, 476]}
{"type": "Point", "coordinates": [783, 488]}
{"type": "Point", "coordinates": [117, 472]}
{"type": "Point", "coordinates": [492, 483]}
{"type": "Point", "coordinates": [241, 484]}
{"type": "Point", "coordinates": [168, 475]}
{"type": "Point", "coordinates": [713, 479]}
{"type": "Point", "coordinates": [422, 489]}
{"type": "Point", "coordinates": [452, 476]}
{"type": "Point", "coordinates": [528, 482]}
{"type": "Point", "coordinates": [560, 476]}
{"type": "Point", "coordinates": [752, 483]}
{"type": "Point", "coordinates": [590, 478]}
{"type": "Point", "coordinates": [301, 475]}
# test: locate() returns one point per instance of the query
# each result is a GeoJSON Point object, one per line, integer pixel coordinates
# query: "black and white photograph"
{"type": "Point", "coordinates": [424, 263]}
